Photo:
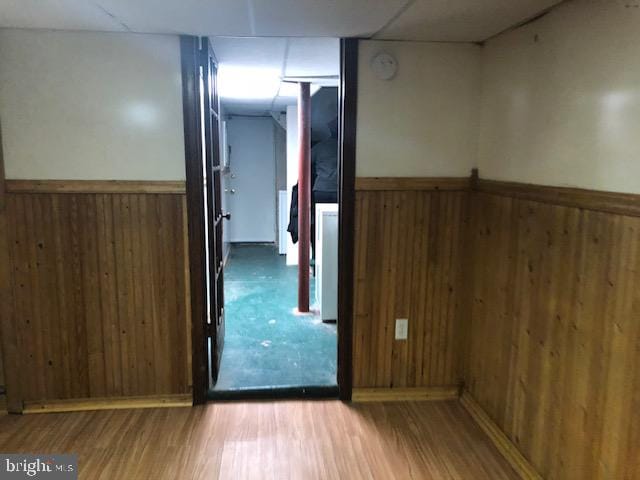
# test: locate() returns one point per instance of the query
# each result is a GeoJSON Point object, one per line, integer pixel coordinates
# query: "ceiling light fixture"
{"type": "Point", "coordinates": [247, 83]}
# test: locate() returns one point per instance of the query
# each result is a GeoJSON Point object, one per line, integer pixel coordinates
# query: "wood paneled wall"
{"type": "Point", "coordinates": [554, 341]}
{"type": "Point", "coordinates": [408, 250]}
{"type": "Point", "coordinates": [100, 292]}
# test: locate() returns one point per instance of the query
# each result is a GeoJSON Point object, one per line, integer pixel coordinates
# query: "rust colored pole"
{"type": "Point", "coordinates": [304, 194]}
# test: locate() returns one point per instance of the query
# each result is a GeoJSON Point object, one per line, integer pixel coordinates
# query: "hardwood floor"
{"type": "Point", "coordinates": [292, 439]}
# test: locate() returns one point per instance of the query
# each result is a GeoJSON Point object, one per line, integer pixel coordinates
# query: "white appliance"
{"type": "Point", "coordinates": [327, 260]}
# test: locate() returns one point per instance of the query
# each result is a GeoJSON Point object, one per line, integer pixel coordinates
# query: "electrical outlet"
{"type": "Point", "coordinates": [402, 328]}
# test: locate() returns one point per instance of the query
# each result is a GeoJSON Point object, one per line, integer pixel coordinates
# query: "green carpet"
{"type": "Point", "coordinates": [266, 344]}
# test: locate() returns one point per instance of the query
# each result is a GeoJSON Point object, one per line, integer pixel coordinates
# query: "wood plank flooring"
{"type": "Point", "coordinates": [266, 440]}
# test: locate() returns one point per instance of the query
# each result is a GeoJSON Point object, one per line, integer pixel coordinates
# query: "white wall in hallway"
{"type": "Point", "coordinates": [292, 172]}
{"type": "Point", "coordinates": [224, 179]}
{"type": "Point", "coordinates": [280, 151]}
{"type": "Point", "coordinates": [253, 177]}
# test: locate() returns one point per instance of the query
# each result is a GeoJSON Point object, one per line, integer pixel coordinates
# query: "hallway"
{"type": "Point", "coordinates": [266, 344]}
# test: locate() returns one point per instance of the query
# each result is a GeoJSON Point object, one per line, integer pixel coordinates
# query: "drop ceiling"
{"type": "Point", "coordinates": [424, 20]}
{"type": "Point", "coordinates": [258, 42]}
{"type": "Point", "coordinates": [250, 70]}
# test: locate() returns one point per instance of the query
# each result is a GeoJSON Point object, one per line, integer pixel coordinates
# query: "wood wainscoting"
{"type": "Point", "coordinates": [554, 343]}
{"type": "Point", "coordinates": [408, 251]}
{"type": "Point", "coordinates": [99, 284]}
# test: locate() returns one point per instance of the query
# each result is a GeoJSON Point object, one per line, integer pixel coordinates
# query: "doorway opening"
{"type": "Point", "coordinates": [260, 337]}
{"type": "Point", "coordinates": [204, 167]}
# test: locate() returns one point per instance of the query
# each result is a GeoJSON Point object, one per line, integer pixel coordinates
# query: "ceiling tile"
{"type": "Point", "coordinates": [194, 17]}
{"type": "Point", "coordinates": [59, 14]}
{"type": "Point", "coordinates": [328, 18]}
{"type": "Point", "coordinates": [267, 52]}
{"type": "Point", "coordinates": [313, 57]}
{"type": "Point", "coordinates": [461, 20]}
{"type": "Point", "coordinates": [256, 57]}
{"type": "Point", "coordinates": [307, 18]}
{"type": "Point", "coordinates": [437, 20]}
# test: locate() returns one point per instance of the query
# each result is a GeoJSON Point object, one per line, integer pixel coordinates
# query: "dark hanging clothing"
{"type": "Point", "coordinates": [318, 197]}
{"type": "Point", "coordinates": [293, 215]}
{"type": "Point", "coordinates": [324, 171]}
{"type": "Point", "coordinates": [324, 160]}
{"type": "Point", "coordinates": [321, 196]}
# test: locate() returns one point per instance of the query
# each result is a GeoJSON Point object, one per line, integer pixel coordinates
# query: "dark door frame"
{"type": "Point", "coordinates": [189, 54]}
{"type": "Point", "coordinates": [348, 93]}
{"type": "Point", "coordinates": [214, 328]}
{"type": "Point", "coordinates": [348, 107]}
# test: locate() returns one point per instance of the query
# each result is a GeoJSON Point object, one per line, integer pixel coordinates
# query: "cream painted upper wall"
{"type": "Point", "coordinates": [80, 105]}
{"type": "Point", "coordinates": [423, 122]}
{"type": "Point", "coordinates": [561, 99]}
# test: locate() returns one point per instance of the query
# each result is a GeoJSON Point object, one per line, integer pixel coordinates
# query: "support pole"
{"type": "Point", "coordinates": [304, 194]}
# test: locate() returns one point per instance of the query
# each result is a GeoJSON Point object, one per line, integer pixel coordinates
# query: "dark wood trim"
{"type": "Point", "coordinates": [465, 272]}
{"type": "Point", "coordinates": [275, 393]}
{"type": "Point", "coordinates": [8, 334]}
{"type": "Point", "coordinates": [610, 202]}
{"type": "Point", "coordinates": [95, 186]}
{"type": "Point", "coordinates": [189, 51]}
{"type": "Point", "coordinates": [473, 181]}
{"type": "Point", "coordinates": [412, 183]}
{"type": "Point", "coordinates": [347, 158]}
{"type": "Point", "coordinates": [215, 326]}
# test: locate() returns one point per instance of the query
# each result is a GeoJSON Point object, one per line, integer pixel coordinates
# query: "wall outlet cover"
{"type": "Point", "coordinates": [402, 328]}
